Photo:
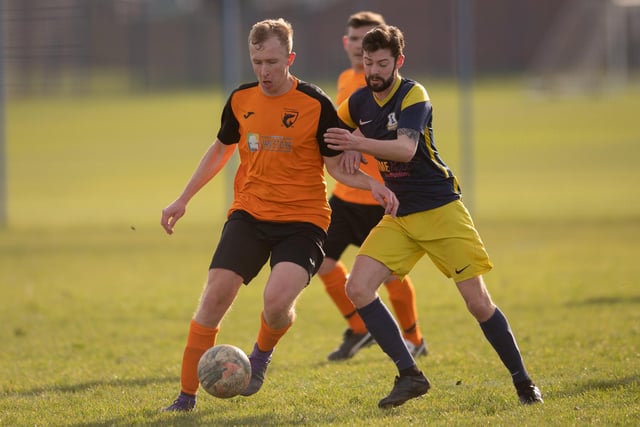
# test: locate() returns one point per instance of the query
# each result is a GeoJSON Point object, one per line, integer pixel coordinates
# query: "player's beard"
{"type": "Point", "coordinates": [384, 85]}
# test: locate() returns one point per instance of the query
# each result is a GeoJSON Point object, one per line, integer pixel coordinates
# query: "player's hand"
{"type": "Point", "coordinates": [340, 139]}
{"type": "Point", "coordinates": [171, 214]}
{"type": "Point", "coordinates": [350, 161]}
{"type": "Point", "coordinates": [386, 198]}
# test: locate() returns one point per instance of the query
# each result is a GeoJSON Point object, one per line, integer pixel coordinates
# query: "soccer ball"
{"type": "Point", "coordinates": [224, 371]}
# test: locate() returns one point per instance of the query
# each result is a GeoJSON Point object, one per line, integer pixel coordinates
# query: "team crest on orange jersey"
{"type": "Point", "coordinates": [289, 117]}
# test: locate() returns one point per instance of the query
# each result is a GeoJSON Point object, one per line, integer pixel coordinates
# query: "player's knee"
{"type": "Point", "coordinates": [328, 264]}
{"type": "Point", "coordinates": [481, 308]}
{"type": "Point", "coordinates": [357, 291]}
{"type": "Point", "coordinates": [275, 307]}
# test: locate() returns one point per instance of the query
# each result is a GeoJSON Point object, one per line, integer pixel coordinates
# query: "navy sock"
{"type": "Point", "coordinates": [386, 332]}
{"type": "Point", "coordinates": [499, 334]}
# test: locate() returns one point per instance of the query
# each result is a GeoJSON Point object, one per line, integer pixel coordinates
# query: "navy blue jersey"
{"type": "Point", "coordinates": [423, 183]}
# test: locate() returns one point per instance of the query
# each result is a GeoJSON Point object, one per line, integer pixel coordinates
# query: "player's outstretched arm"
{"type": "Point", "coordinates": [351, 160]}
{"type": "Point", "coordinates": [359, 179]}
{"type": "Point", "coordinates": [211, 163]}
{"type": "Point", "coordinates": [401, 149]}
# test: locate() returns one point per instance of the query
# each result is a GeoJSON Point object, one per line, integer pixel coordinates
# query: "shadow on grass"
{"type": "Point", "coordinates": [75, 388]}
{"type": "Point", "coordinates": [606, 300]}
{"type": "Point", "coordinates": [195, 418]}
{"type": "Point", "coordinates": [355, 361]}
{"type": "Point", "coordinates": [581, 387]}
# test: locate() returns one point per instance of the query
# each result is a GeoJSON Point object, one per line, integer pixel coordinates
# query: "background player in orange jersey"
{"type": "Point", "coordinates": [354, 214]}
{"type": "Point", "coordinates": [280, 211]}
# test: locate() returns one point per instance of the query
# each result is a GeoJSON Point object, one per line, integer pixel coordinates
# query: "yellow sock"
{"type": "Point", "coordinates": [199, 340]}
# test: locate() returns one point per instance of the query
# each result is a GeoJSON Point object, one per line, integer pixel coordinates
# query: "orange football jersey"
{"type": "Point", "coordinates": [280, 142]}
{"type": "Point", "coordinates": [348, 82]}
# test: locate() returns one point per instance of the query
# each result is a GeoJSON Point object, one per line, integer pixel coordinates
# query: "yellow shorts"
{"type": "Point", "coordinates": [446, 234]}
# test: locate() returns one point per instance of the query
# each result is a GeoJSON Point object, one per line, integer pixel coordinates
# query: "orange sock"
{"type": "Point", "coordinates": [268, 337]}
{"type": "Point", "coordinates": [334, 283]}
{"type": "Point", "coordinates": [402, 296]}
{"type": "Point", "coordinates": [199, 340]}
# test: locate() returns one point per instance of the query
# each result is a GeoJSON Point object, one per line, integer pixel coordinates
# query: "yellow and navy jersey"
{"type": "Point", "coordinates": [280, 141]}
{"type": "Point", "coordinates": [348, 82]}
{"type": "Point", "coordinates": [423, 183]}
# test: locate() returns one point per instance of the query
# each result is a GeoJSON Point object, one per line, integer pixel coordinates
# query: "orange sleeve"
{"type": "Point", "coordinates": [348, 82]}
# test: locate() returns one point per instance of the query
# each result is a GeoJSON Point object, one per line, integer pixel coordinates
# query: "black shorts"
{"type": "Point", "coordinates": [247, 243]}
{"type": "Point", "coordinates": [350, 225]}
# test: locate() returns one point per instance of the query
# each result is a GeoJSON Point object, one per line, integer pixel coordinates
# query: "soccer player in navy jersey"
{"type": "Point", "coordinates": [354, 212]}
{"type": "Point", "coordinates": [391, 119]}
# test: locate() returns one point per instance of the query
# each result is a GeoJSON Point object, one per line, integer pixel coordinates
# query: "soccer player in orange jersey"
{"type": "Point", "coordinates": [280, 211]}
{"type": "Point", "coordinates": [353, 214]}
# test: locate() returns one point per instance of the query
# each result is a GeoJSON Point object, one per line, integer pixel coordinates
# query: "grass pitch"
{"type": "Point", "coordinates": [95, 299]}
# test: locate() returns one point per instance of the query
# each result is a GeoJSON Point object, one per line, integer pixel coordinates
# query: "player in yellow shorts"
{"type": "Point", "coordinates": [454, 246]}
{"type": "Point", "coordinates": [391, 119]}
{"type": "Point", "coordinates": [353, 214]}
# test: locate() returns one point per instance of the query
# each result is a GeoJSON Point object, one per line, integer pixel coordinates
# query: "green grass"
{"type": "Point", "coordinates": [95, 299]}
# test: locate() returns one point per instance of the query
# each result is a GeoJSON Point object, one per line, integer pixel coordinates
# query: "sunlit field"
{"type": "Point", "coordinates": [95, 299]}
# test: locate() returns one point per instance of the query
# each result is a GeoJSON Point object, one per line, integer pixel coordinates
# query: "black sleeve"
{"type": "Point", "coordinates": [229, 132]}
{"type": "Point", "coordinates": [328, 119]}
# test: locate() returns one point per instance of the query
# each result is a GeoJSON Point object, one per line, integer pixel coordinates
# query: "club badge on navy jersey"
{"type": "Point", "coordinates": [392, 122]}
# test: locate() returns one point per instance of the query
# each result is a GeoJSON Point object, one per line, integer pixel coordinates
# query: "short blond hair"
{"type": "Point", "coordinates": [280, 28]}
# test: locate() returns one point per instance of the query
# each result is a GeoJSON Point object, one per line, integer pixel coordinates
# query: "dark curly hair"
{"type": "Point", "coordinates": [384, 37]}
